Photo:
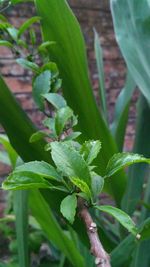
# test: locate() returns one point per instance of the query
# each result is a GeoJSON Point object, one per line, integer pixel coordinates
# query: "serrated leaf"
{"type": "Point", "coordinates": [24, 180]}
{"type": "Point", "coordinates": [28, 64]}
{"type": "Point", "coordinates": [37, 136]}
{"type": "Point", "coordinates": [90, 150]}
{"type": "Point", "coordinates": [82, 186]}
{"type": "Point", "coordinates": [61, 119]}
{"type": "Point", "coordinates": [120, 216]}
{"type": "Point", "coordinates": [25, 26]}
{"type": "Point", "coordinates": [40, 168]}
{"type": "Point", "coordinates": [97, 184]}
{"type": "Point", "coordinates": [68, 207]}
{"type": "Point", "coordinates": [41, 85]}
{"type": "Point", "coordinates": [56, 100]}
{"type": "Point", "coordinates": [69, 161]}
{"type": "Point", "coordinates": [121, 160]}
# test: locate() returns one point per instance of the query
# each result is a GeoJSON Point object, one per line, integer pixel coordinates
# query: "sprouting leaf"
{"type": "Point", "coordinates": [90, 150]}
{"type": "Point", "coordinates": [69, 161]}
{"type": "Point", "coordinates": [97, 184]}
{"type": "Point", "coordinates": [28, 64]}
{"type": "Point", "coordinates": [121, 160]}
{"type": "Point", "coordinates": [45, 45]}
{"type": "Point", "coordinates": [32, 36]}
{"type": "Point", "coordinates": [82, 186]}
{"type": "Point", "coordinates": [37, 136]}
{"type": "Point", "coordinates": [61, 119]}
{"type": "Point", "coordinates": [68, 207]}
{"type": "Point", "coordinates": [120, 216]}
{"type": "Point", "coordinates": [5, 43]}
{"type": "Point", "coordinates": [56, 100]}
{"type": "Point", "coordinates": [50, 124]}
{"type": "Point", "coordinates": [72, 136]}
{"type": "Point", "coordinates": [40, 168]}
{"type": "Point", "coordinates": [52, 67]}
{"type": "Point", "coordinates": [41, 85]}
{"type": "Point", "coordinates": [25, 26]}
{"type": "Point", "coordinates": [24, 180]}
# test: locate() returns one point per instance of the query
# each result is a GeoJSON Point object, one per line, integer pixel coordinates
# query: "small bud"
{"type": "Point", "coordinates": [138, 236]}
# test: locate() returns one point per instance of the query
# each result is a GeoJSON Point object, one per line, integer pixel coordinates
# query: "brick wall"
{"type": "Point", "coordinates": [90, 13]}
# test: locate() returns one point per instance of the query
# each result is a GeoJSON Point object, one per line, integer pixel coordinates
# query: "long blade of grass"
{"type": "Point", "coordinates": [101, 76]}
{"type": "Point", "coordinates": [21, 214]}
{"type": "Point", "coordinates": [119, 124]}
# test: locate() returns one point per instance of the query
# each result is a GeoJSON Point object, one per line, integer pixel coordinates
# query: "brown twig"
{"type": "Point", "coordinates": [102, 259]}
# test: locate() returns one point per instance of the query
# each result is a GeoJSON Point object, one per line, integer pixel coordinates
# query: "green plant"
{"type": "Point", "coordinates": [67, 178]}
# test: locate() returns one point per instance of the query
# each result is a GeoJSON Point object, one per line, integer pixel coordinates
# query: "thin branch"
{"type": "Point", "coordinates": [102, 259]}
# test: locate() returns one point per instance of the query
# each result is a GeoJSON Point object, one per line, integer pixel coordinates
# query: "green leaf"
{"type": "Point", "coordinates": [43, 214]}
{"type": "Point", "coordinates": [97, 184]}
{"type": "Point", "coordinates": [26, 25]}
{"type": "Point", "coordinates": [120, 216]}
{"type": "Point", "coordinates": [101, 76]}
{"type": "Point", "coordinates": [13, 33]}
{"type": "Point", "coordinates": [69, 161]}
{"type": "Point", "coordinates": [4, 4]}
{"type": "Point", "coordinates": [45, 45]}
{"type": "Point", "coordinates": [5, 43]}
{"type": "Point", "coordinates": [131, 23]}
{"type": "Point", "coordinates": [61, 119]}
{"type": "Point", "coordinates": [40, 168]}
{"type": "Point", "coordinates": [28, 64]}
{"type": "Point", "coordinates": [56, 100]}
{"type": "Point", "coordinates": [121, 160]}
{"type": "Point", "coordinates": [37, 136]}
{"type": "Point", "coordinates": [11, 152]}
{"type": "Point", "coordinates": [24, 180]}
{"type": "Point", "coordinates": [41, 85]}
{"type": "Point", "coordinates": [20, 205]}
{"type": "Point", "coordinates": [68, 207]}
{"type": "Point", "coordinates": [90, 150]}
{"type": "Point", "coordinates": [82, 186]}
{"type": "Point", "coordinates": [72, 136]}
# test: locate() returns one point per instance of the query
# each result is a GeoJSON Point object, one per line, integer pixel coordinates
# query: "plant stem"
{"type": "Point", "coordinates": [102, 259]}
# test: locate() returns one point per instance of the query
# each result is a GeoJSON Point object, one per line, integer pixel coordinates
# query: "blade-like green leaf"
{"type": "Point", "coordinates": [118, 127]}
{"type": "Point", "coordinates": [120, 216]}
{"type": "Point", "coordinates": [121, 160]}
{"type": "Point", "coordinates": [90, 150]}
{"type": "Point", "coordinates": [28, 64]}
{"type": "Point", "coordinates": [21, 215]}
{"type": "Point", "coordinates": [62, 27]}
{"type": "Point", "coordinates": [11, 152]}
{"type": "Point", "coordinates": [5, 43]}
{"type": "Point", "coordinates": [131, 23]}
{"type": "Point", "coordinates": [45, 218]}
{"type": "Point", "coordinates": [101, 76]}
{"type": "Point", "coordinates": [69, 161]}
{"type": "Point", "coordinates": [68, 207]}
{"type": "Point", "coordinates": [41, 85]}
{"type": "Point", "coordinates": [26, 25]}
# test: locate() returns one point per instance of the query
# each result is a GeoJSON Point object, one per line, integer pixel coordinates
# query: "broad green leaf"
{"type": "Point", "coordinates": [5, 43]}
{"type": "Point", "coordinates": [56, 100]}
{"type": "Point", "coordinates": [131, 23]}
{"type": "Point", "coordinates": [41, 85]}
{"type": "Point", "coordinates": [97, 184]}
{"type": "Point", "coordinates": [69, 53]}
{"type": "Point", "coordinates": [101, 76]}
{"type": "Point", "coordinates": [68, 207]}
{"type": "Point", "coordinates": [121, 160]}
{"type": "Point", "coordinates": [118, 127]}
{"type": "Point", "coordinates": [90, 150]}
{"type": "Point", "coordinates": [120, 216]}
{"type": "Point", "coordinates": [40, 168]}
{"type": "Point", "coordinates": [26, 25]}
{"type": "Point", "coordinates": [24, 180]}
{"type": "Point", "coordinates": [20, 204]}
{"type": "Point", "coordinates": [62, 117]}
{"type": "Point", "coordinates": [43, 214]}
{"type": "Point", "coordinates": [69, 161]}
{"type": "Point", "coordinates": [28, 64]}
{"type": "Point", "coordinates": [82, 186]}
{"type": "Point", "coordinates": [37, 136]}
